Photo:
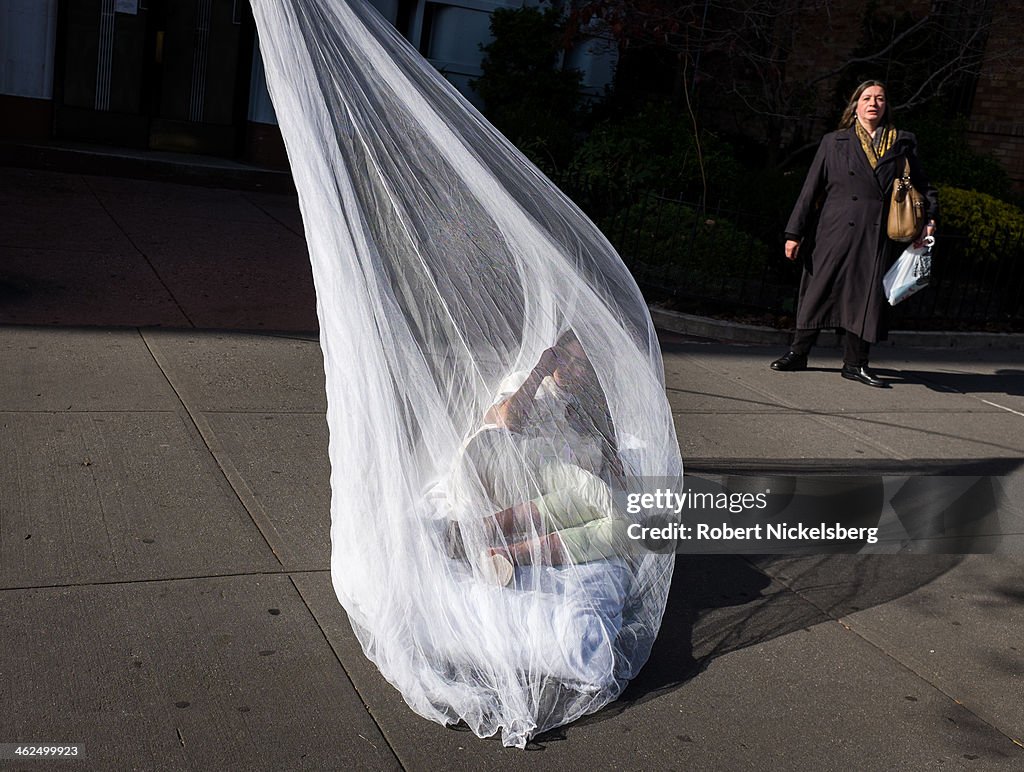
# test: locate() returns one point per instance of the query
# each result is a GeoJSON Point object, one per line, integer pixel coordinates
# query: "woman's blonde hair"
{"type": "Point", "coordinates": [850, 113]}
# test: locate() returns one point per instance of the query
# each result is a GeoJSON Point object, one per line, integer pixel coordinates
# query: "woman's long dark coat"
{"type": "Point", "coordinates": [841, 284]}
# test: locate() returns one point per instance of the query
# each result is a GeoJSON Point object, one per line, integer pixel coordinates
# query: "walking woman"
{"type": "Point", "coordinates": [849, 186]}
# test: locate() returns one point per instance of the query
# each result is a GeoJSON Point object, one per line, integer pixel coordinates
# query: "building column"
{"type": "Point", "coordinates": [28, 36]}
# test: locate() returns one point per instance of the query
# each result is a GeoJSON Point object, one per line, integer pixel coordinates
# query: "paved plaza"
{"type": "Point", "coordinates": [164, 528]}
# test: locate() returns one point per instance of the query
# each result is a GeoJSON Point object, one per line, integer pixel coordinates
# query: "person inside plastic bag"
{"type": "Point", "coordinates": [544, 461]}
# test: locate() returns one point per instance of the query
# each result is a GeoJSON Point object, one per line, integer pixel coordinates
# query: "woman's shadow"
{"type": "Point", "coordinates": [1003, 381]}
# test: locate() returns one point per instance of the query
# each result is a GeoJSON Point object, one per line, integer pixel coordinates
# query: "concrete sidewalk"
{"type": "Point", "coordinates": [164, 533]}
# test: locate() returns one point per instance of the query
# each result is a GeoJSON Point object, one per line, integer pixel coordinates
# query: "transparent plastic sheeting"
{"type": "Point", "coordinates": [493, 377]}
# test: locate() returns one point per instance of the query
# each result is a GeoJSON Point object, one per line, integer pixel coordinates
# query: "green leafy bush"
{"type": "Point", "coordinates": [675, 242]}
{"type": "Point", "coordinates": [654, 150]}
{"type": "Point", "coordinates": [989, 224]}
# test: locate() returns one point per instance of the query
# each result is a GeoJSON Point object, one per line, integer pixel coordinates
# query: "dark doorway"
{"type": "Point", "coordinates": [158, 74]}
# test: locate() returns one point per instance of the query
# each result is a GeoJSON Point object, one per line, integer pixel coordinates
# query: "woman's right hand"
{"type": "Point", "coordinates": [792, 247]}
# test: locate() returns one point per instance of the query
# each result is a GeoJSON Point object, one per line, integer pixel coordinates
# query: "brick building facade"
{"type": "Point", "coordinates": [995, 109]}
{"type": "Point", "coordinates": [813, 45]}
{"type": "Point", "coordinates": [997, 115]}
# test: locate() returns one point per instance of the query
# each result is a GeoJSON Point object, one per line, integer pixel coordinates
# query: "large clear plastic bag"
{"type": "Point", "coordinates": [494, 384]}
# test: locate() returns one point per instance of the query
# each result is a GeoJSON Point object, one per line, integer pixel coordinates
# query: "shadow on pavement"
{"type": "Point", "coordinates": [723, 603]}
{"type": "Point", "coordinates": [1004, 381]}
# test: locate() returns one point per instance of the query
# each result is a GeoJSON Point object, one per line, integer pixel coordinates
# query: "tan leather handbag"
{"type": "Point", "coordinates": [906, 210]}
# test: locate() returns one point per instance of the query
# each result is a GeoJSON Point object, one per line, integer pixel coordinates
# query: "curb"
{"type": "Point", "coordinates": [735, 332]}
{"type": "Point", "coordinates": [161, 167]}
{"type": "Point", "coordinates": [719, 329]}
{"type": "Point", "coordinates": [229, 174]}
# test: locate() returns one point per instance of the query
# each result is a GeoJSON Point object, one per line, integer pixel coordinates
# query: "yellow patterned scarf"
{"type": "Point", "coordinates": [877, 146]}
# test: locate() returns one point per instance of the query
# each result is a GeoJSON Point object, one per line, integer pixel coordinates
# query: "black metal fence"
{"type": "Point", "coordinates": [970, 288]}
{"type": "Point", "coordinates": [705, 257]}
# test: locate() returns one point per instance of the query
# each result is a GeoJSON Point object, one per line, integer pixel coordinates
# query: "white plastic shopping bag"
{"type": "Point", "coordinates": [909, 273]}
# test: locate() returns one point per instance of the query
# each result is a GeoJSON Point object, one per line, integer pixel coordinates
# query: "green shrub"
{"type": "Point", "coordinates": [948, 159]}
{"type": "Point", "coordinates": [768, 197]}
{"type": "Point", "coordinates": [654, 150]}
{"type": "Point", "coordinates": [527, 95]}
{"type": "Point", "coordinates": [678, 243]}
{"type": "Point", "coordinates": [989, 224]}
